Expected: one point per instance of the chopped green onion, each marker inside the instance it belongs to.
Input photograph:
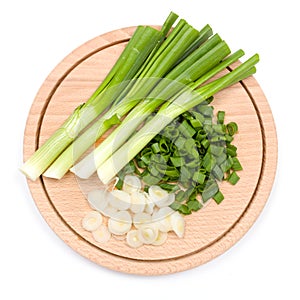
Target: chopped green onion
(186, 129)
(172, 172)
(163, 146)
(233, 178)
(227, 164)
(172, 188)
(221, 117)
(184, 209)
(217, 173)
(177, 161)
(180, 196)
(236, 166)
(196, 123)
(209, 191)
(232, 128)
(149, 179)
(231, 150)
(218, 197)
(193, 205)
(205, 143)
(155, 148)
(199, 177)
(216, 150)
(175, 205)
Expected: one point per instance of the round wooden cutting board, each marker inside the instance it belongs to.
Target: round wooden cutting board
(210, 231)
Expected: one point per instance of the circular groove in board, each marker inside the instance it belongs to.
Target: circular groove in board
(211, 231)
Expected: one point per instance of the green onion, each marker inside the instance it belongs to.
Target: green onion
(165, 115)
(231, 150)
(177, 161)
(75, 150)
(149, 179)
(186, 129)
(193, 205)
(155, 148)
(172, 188)
(233, 178)
(184, 209)
(180, 196)
(178, 45)
(232, 128)
(204, 34)
(199, 177)
(147, 97)
(217, 173)
(143, 40)
(220, 117)
(236, 166)
(227, 164)
(218, 197)
(209, 191)
(175, 205)
(87, 166)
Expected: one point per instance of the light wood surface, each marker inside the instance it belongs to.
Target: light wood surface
(209, 232)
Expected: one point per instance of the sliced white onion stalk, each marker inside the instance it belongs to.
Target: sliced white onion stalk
(178, 224)
(158, 195)
(101, 234)
(149, 204)
(131, 184)
(133, 239)
(142, 218)
(109, 211)
(92, 220)
(147, 233)
(162, 219)
(119, 199)
(161, 238)
(138, 202)
(168, 201)
(120, 223)
(97, 199)
(111, 185)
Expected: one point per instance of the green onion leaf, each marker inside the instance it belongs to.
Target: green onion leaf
(163, 146)
(218, 197)
(175, 205)
(155, 148)
(209, 191)
(231, 150)
(193, 205)
(184, 209)
(236, 166)
(199, 177)
(187, 130)
(177, 161)
(232, 128)
(221, 117)
(180, 196)
(172, 188)
(233, 178)
(217, 173)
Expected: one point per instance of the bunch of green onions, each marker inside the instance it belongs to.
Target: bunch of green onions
(158, 71)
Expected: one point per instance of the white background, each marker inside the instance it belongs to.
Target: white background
(35, 263)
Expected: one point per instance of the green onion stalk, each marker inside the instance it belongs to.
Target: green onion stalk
(166, 114)
(174, 47)
(140, 46)
(208, 62)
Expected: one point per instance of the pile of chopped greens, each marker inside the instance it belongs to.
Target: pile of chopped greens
(189, 157)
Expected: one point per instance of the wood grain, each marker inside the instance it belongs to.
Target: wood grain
(210, 231)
